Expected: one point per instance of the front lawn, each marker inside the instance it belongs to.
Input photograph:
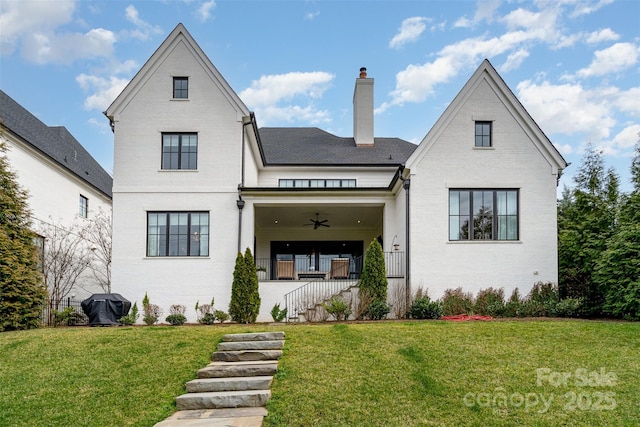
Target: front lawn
(509, 372)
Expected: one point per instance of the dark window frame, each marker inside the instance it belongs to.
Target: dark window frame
(483, 134)
(175, 160)
(181, 87)
(83, 206)
(168, 242)
(317, 183)
(496, 226)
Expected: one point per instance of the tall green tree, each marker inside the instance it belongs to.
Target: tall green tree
(245, 298)
(618, 270)
(587, 217)
(373, 281)
(22, 292)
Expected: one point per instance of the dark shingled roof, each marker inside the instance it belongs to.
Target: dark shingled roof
(54, 142)
(316, 147)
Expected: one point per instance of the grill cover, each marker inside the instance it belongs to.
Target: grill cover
(105, 309)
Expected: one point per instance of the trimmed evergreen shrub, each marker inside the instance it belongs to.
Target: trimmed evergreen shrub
(132, 317)
(490, 302)
(378, 310)
(277, 314)
(423, 308)
(245, 298)
(373, 280)
(455, 301)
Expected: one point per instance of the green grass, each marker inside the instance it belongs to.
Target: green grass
(383, 373)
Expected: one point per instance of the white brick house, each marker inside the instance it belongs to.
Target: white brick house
(66, 185)
(196, 180)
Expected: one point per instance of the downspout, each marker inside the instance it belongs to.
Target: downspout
(240, 203)
(406, 184)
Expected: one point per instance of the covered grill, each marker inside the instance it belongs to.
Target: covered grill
(105, 309)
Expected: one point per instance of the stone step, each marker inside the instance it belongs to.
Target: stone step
(223, 399)
(257, 336)
(225, 417)
(203, 385)
(238, 369)
(250, 345)
(246, 355)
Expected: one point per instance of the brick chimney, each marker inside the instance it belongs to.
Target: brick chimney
(363, 110)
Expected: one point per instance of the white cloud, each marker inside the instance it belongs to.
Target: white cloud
(21, 19)
(409, 31)
(268, 94)
(585, 7)
(105, 90)
(143, 30)
(514, 60)
(568, 108)
(603, 35)
(66, 48)
(485, 10)
(628, 101)
(613, 59)
(310, 16)
(621, 144)
(563, 148)
(204, 11)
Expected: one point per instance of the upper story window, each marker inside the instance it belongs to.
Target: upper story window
(317, 183)
(179, 151)
(83, 207)
(181, 87)
(483, 215)
(483, 134)
(177, 234)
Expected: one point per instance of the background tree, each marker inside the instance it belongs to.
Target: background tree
(618, 270)
(21, 290)
(586, 221)
(245, 299)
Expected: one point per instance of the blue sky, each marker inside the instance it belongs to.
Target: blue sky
(574, 64)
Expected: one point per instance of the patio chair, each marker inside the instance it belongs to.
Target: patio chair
(284, 269)
(339, 268)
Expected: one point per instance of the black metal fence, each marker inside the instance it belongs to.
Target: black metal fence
(63, 312)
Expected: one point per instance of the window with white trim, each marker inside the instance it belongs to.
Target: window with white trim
(483, 214)
(177, 234)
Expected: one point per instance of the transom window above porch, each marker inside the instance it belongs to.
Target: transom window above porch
(317, 183)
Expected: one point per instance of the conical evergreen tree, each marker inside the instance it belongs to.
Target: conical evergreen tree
(373, 281)
(22, 292)
(252, 287)
(245, 299)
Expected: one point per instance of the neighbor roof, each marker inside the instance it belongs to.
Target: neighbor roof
(54, 142)
(316, 147)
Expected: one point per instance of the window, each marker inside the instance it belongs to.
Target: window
(181, 87)
(483, 134)
(483, 214)
(179, 151)
(177, 234)
(83, 209)
(317, 183)
(38, 242)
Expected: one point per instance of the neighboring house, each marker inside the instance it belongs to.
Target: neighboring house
(66, 185)
(196, 181)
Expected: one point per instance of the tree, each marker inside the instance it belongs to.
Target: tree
(618, 270)
(21, 290)
(67, 256)
(373, 281)
(586, 221)
(245, 298)
(99, 232)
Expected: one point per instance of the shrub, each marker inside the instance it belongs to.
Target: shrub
(277, 314)
(423, 308)
(176, 315)
(513, 307)
(374, 277)
(220, 316)
(69, 316)
(205, 313)
(378, 310)
(132, 317)
(338, 308)
(455, 302)
(490, 302)
(245, 298)
(151, 311)
(541, 301)
(568, 307)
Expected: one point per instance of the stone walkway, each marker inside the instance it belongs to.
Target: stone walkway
(234, 388)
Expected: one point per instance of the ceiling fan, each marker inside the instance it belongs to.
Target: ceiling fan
(317, 223)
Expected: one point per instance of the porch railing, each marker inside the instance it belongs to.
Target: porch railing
(308, 296)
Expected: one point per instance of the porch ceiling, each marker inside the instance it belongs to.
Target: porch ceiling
(338, 216)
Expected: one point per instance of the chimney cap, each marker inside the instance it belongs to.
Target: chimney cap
(363, 72)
